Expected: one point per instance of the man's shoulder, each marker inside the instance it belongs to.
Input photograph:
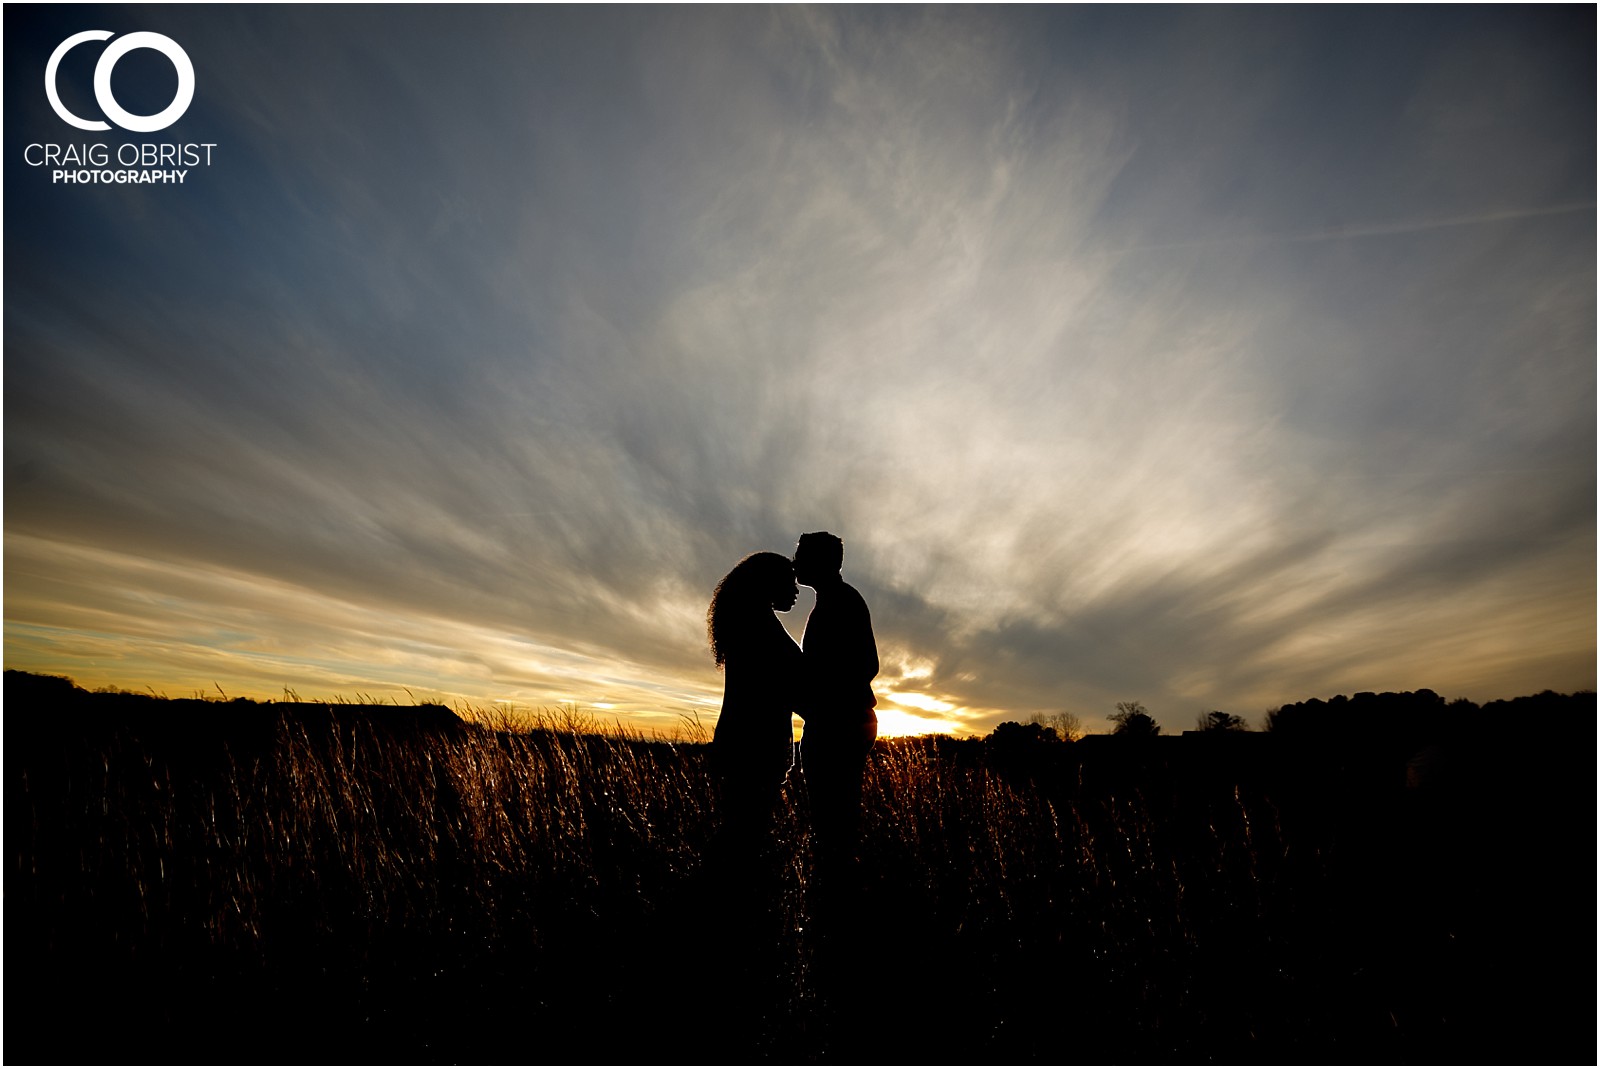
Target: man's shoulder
(840, 598)
(850, 596)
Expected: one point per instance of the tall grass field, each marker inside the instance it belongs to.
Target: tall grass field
(304, 882)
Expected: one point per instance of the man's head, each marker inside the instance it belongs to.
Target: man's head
(817, 558)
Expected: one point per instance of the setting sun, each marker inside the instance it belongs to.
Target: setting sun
(894, 722)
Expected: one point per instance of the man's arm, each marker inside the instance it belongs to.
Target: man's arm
(864, 645)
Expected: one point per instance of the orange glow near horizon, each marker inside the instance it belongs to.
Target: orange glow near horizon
(895, 721)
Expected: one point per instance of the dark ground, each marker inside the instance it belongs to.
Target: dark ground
(178, 890)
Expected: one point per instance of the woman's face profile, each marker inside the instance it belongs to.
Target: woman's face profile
(785, 592)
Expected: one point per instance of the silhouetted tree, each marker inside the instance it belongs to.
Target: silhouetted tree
(1397, 721)
(1302, 718)
(1022, 751)
(1220, 721)
(1011, 734)
(1133, 719)
(1067, 726)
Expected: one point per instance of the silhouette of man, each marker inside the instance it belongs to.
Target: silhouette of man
(839, 658)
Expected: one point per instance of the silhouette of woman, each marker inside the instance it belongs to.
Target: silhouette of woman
(751, 754)
(753, 747)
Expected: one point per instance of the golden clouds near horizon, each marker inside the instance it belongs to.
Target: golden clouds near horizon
(914, 713)
(914, 700)
(895, 722)
(133, 622)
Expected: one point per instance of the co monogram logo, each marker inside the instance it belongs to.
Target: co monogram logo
(102, 80)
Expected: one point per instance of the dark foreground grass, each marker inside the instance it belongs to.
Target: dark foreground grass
(226, 882)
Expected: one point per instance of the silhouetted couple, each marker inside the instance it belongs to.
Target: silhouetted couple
(827, 680)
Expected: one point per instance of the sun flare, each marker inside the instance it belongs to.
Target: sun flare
(893, 721)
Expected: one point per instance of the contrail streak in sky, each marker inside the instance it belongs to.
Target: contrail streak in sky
(1370, 230)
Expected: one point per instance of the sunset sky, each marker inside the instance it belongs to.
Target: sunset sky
(1210, 358)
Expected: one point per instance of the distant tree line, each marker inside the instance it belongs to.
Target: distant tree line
(1405, 717)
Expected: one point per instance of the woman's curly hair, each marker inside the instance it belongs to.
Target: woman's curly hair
(746, 590)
